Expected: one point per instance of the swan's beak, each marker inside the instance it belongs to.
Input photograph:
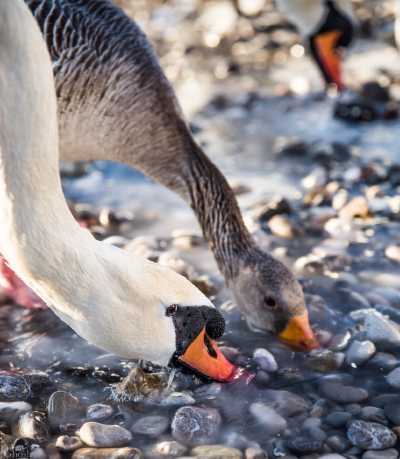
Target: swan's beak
(329, 56)
(298, 333)
(204, 356)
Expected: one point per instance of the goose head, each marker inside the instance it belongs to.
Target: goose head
(272, 300)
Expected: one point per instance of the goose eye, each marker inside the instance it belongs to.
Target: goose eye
(171, 310)
(270, 302)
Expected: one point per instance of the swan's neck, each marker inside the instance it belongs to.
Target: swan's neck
(38, 234)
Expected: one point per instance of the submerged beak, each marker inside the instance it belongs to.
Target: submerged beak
(330, 57)
(298, 333)
(204, 356)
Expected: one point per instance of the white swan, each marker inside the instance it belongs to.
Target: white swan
(131, 307)
(328, 26)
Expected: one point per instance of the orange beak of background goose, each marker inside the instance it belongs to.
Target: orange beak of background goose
(204, 357)
(298, 333)
(329, 56)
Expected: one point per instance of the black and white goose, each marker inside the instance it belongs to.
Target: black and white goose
(115, 103)
(123, 304)
(328, 26)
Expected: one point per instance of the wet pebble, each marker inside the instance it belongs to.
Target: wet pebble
(384, 361)
(360, 352)
(341, 341)
(251, 7)
(373, 414)
(285, 403)
(392, 411)
(68, 443)
(11, 411)
(282, 226)
(193, 425)
(178, 399)
(14, 388)
(107, 453)
(104, 436)
(338, 443)
(32, 425)
(265, 360)
(303, 444)
(331, 456)
(393, 252)
(271, 421)
(340, 393)
(325, 360)
(393, 378)
(370, 435)
(170, 448)
(378, 328)
(255, 453)
(216, 452)
(386, 454)
(356, 207)
(62, 408)
(153, 426)
(99, 411)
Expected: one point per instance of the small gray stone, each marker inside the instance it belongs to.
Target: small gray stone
(11, 411)
(63, 408)
(170, 449)
(378, 328)
(99, 411)
(178, 399)
(370, 435)
(392, 411)
(373, 414)
(14, 388)
(255, 453)
(338, 418)
(104, 436)
(360, 352)
(342, 394)
(385, 454)
(384, 361)
(193, 425)
(393, 378)
(285, 403)
(331, 456)
(338, 443)
(153, 426)
(68, 444)
(107, 453)
(303, 444)
(216, 452)
(265, 360)
(271, 421)
(340, 342)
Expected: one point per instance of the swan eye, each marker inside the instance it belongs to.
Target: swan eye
(270, 302)
(171, 310)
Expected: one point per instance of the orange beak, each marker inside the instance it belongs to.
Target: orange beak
(298, 333)
(330, 57)
(197, 357)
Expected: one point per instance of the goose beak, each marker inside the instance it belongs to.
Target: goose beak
(298, 333)
(329, 56)
(204, 357)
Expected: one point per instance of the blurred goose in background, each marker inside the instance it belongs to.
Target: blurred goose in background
(128, 306)
(115, 103)
(328, 26)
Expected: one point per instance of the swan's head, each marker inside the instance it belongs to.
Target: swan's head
(271, 299)
(196, 330)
